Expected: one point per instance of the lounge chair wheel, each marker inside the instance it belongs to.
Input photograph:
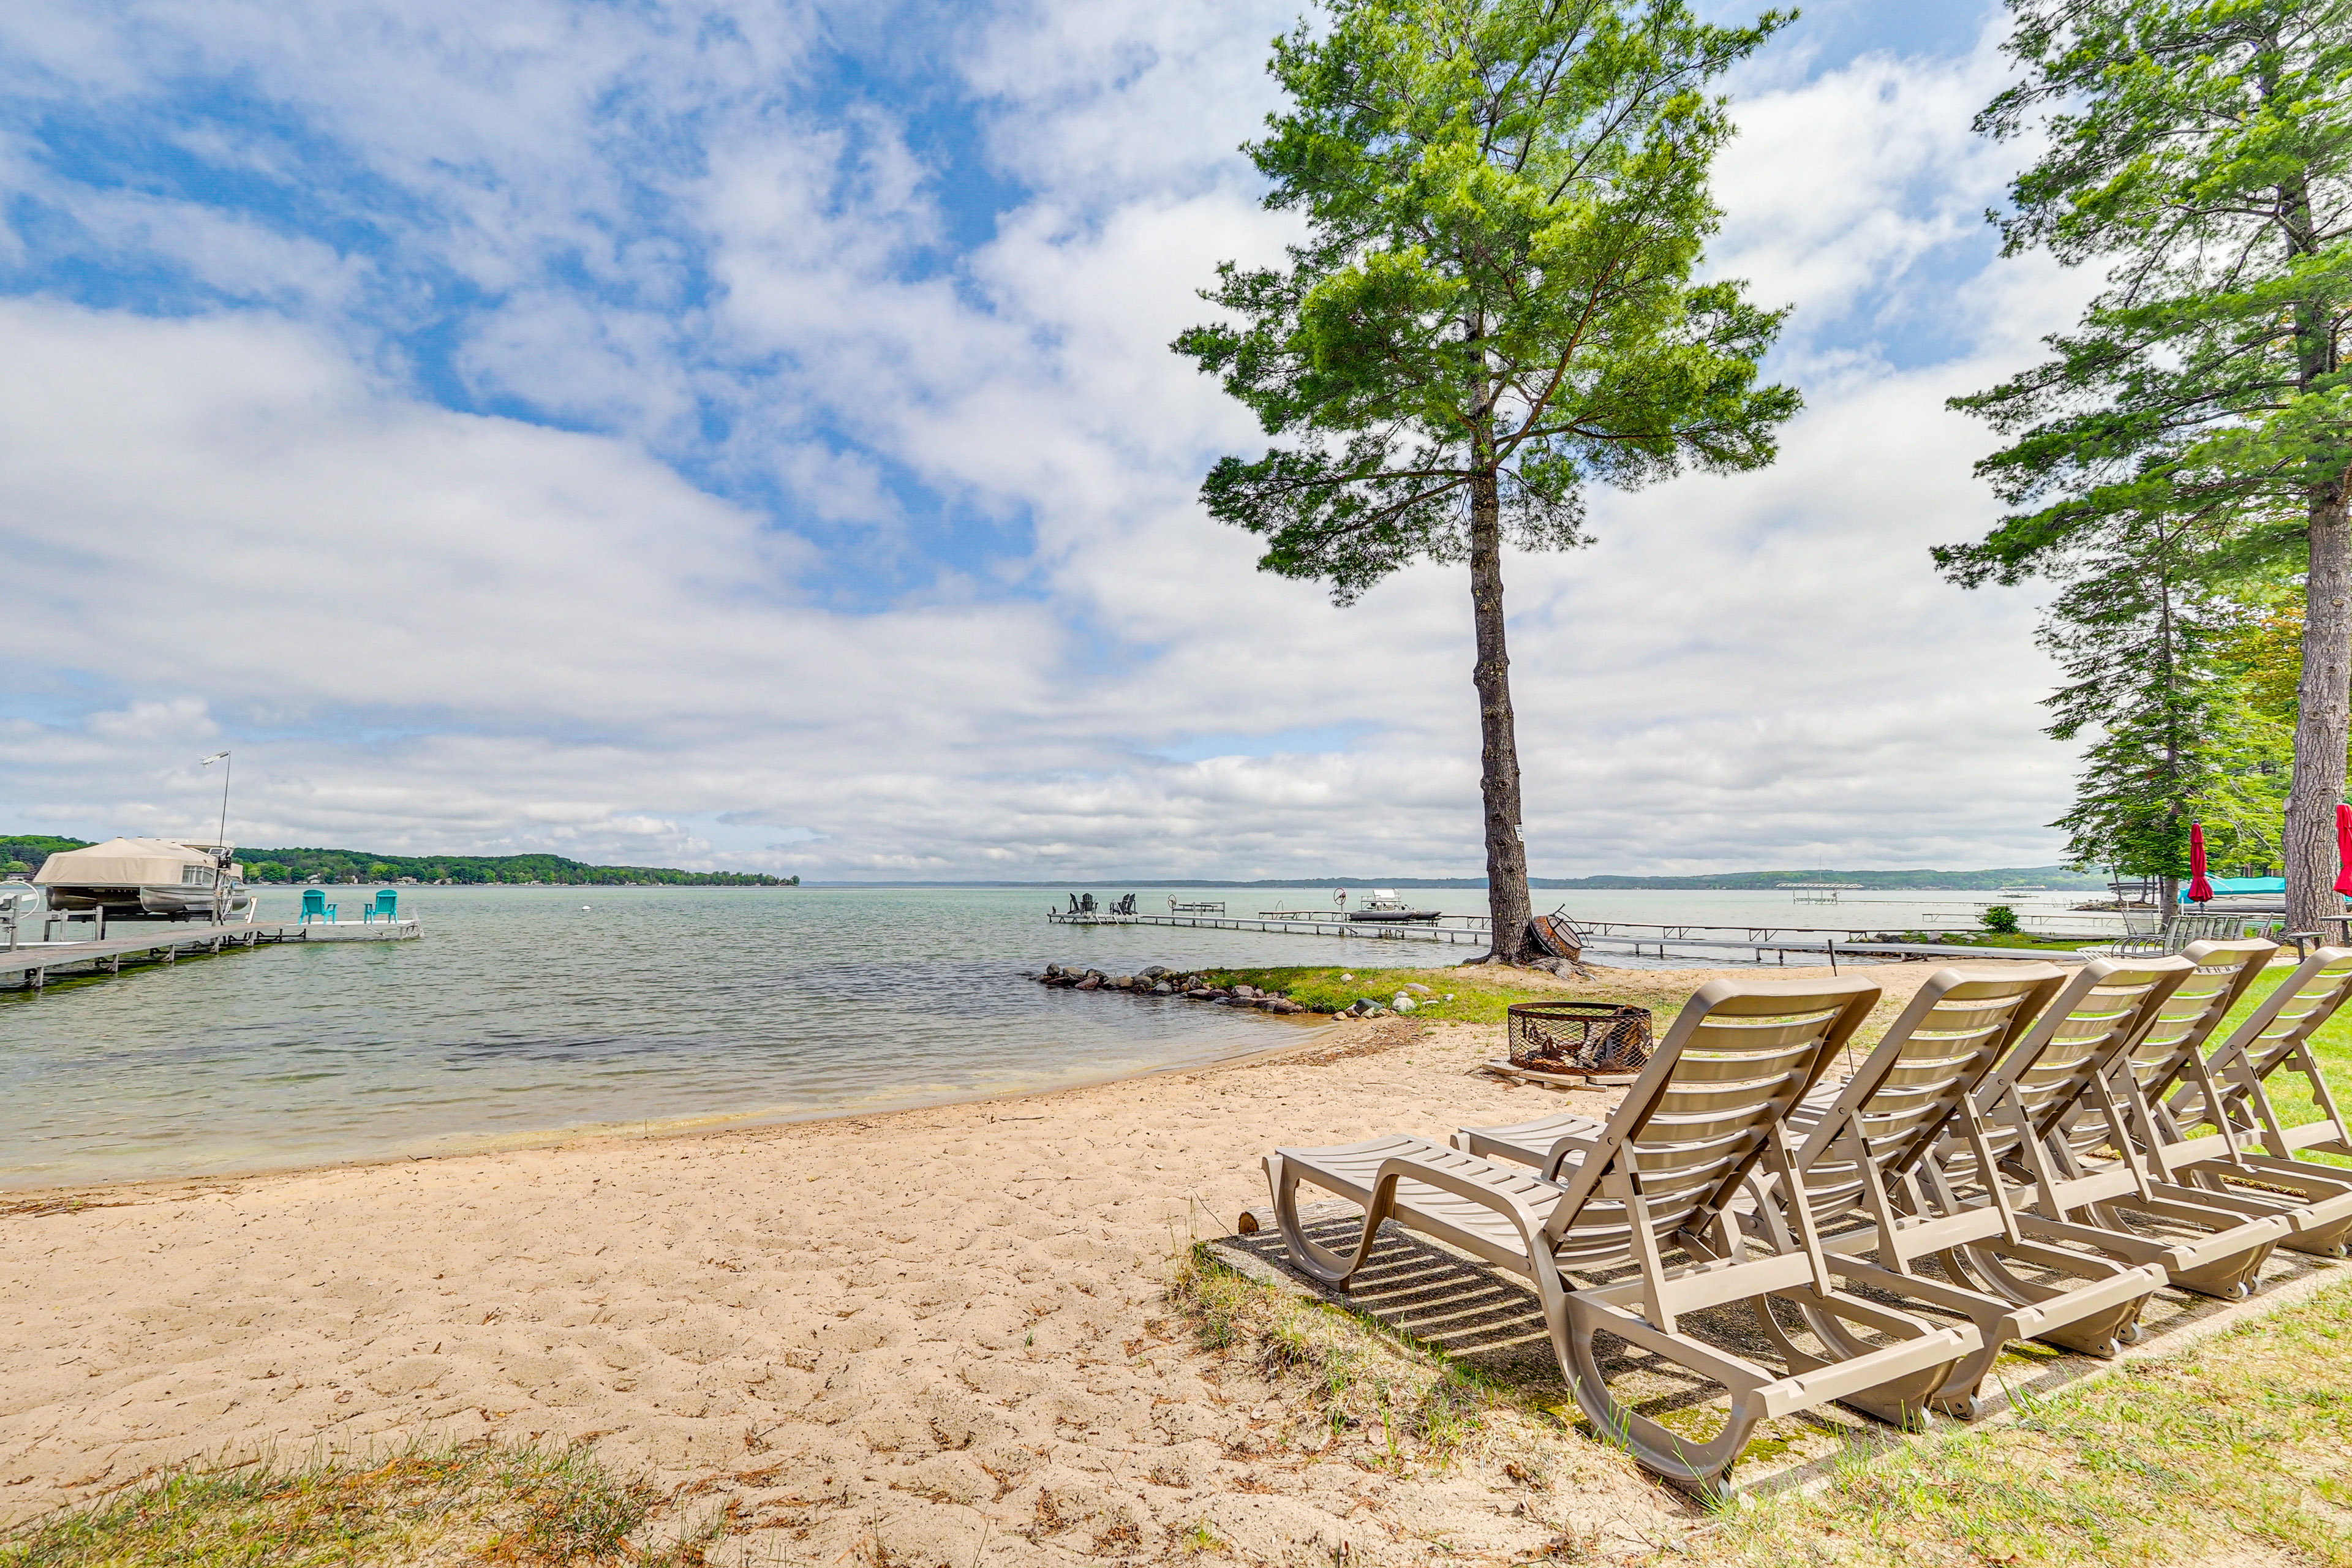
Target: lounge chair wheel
(1964, 1409)
(2129, 1334)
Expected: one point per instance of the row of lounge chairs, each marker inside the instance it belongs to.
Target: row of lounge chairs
(2054, 1148)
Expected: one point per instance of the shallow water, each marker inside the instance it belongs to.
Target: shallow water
(524, 1013)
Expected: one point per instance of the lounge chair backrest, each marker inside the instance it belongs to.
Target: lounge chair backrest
(1739, 1056)
(2178, 1032)
(2289, 1015)
(2094, 1018)
(2275, 1030)
(1958, 1025)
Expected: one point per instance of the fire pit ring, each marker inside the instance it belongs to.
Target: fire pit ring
(1583, 1037)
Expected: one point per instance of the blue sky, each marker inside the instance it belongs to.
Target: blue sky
(681, 429)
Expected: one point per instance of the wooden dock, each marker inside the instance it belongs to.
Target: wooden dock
(30, 967)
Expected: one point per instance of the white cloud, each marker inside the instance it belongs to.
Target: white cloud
(425, 629)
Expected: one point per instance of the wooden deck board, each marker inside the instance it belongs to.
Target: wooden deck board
(36, 963)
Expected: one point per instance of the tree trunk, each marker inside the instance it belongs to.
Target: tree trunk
(1499, 756)
(2320, 727)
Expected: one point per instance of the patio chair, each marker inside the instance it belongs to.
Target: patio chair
(2025, 1162)
(1863, 1143)
(2249, 1162)
(315, 906)
(1659, 1176)
(387, 907)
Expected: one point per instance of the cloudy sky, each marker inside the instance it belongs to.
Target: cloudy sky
(736, 433)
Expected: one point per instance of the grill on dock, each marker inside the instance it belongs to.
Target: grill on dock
(1578, 1036)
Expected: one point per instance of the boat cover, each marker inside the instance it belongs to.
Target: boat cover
(121, 863)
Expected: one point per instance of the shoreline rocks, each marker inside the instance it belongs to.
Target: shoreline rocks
(1158, 980)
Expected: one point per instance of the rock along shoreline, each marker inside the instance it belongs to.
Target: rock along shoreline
(1160, 981)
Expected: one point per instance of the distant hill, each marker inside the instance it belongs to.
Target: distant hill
(25, 853)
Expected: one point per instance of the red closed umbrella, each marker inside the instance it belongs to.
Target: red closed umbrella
(2344, 849)
(2199, 889)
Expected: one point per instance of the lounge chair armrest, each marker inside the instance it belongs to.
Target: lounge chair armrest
(1399, 1167)
(1563, 1146)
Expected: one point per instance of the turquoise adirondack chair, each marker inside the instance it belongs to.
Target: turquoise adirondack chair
(387, 907)
(315, 906)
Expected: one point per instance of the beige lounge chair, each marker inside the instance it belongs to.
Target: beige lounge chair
(1862, 1142)
(1656, 1177)
(2025, 1163)
(2249, 1164)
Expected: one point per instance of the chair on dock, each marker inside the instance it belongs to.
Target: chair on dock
(1658, 1177)
(387, 907)
(316, 907)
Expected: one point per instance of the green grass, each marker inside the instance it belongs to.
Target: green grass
(2006, 939)
(2241, 1449)
(1481, 995)
(1389, 1398)
(482, 1503)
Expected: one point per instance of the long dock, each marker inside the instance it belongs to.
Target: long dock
(1709, 943)
(30, 967)
(1468, 927)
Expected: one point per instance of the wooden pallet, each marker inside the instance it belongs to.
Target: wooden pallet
(1511, 1071)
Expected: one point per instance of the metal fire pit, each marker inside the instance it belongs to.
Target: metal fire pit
(1587, 1037)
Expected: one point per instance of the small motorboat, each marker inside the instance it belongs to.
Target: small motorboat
(1384, 906)
(156, 876)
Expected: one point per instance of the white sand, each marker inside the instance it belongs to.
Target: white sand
(941, 1332)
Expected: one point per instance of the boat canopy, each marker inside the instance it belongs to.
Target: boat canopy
(122, 863)
(2225, 886)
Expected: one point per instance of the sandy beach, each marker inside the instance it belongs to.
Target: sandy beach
(936, 1336)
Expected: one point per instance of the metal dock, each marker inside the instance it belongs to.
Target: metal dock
(1462, 928)
(1638, 938)
(31, 966)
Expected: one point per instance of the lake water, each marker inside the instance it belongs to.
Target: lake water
(525, 1013)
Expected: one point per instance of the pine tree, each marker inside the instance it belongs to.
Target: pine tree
(1496, 305)
(2202, 150)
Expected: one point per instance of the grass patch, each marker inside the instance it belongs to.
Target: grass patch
(483, 1503)
(2007, 938)
(1482, 994)
(2240, 1450)
(1361, 1380)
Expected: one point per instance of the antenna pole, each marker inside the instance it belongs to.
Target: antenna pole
(220, 844)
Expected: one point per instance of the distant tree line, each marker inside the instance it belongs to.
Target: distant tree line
(24, 855)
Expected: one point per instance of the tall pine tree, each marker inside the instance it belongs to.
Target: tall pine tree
(1496, 304)
(2201, 150)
